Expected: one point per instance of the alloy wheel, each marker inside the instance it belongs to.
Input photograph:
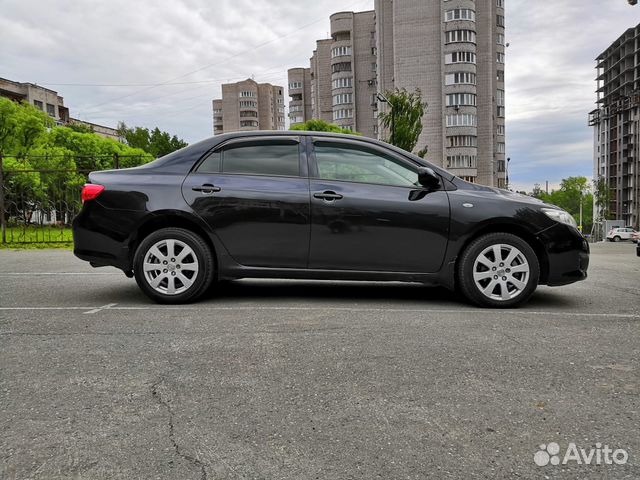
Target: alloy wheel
(501, 272)
(170, 267)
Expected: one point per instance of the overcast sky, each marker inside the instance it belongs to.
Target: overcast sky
(159, 63)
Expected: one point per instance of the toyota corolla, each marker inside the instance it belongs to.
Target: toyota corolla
(313, 205)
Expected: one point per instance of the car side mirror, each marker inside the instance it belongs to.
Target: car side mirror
(428, 178)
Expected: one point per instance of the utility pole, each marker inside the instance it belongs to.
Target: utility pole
(384, 99)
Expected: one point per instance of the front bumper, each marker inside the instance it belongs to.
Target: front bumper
(567, 253)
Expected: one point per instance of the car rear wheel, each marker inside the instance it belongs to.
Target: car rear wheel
(173, 265)
(616, 238)
(498, 270)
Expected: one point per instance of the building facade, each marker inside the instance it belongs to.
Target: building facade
(249, 105)
(320, 72)
(616, 125)
(300, 95)
(46, 100)
(453, 51)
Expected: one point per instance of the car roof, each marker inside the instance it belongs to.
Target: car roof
(182, 160)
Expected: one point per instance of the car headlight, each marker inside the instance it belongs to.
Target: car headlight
(560, 216)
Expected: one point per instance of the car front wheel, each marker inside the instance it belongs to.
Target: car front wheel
(498, 270)
(616, 239)
(173, 265)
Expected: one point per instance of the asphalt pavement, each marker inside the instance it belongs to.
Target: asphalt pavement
(274, 379)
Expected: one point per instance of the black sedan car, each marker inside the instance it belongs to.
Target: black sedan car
(320, 206)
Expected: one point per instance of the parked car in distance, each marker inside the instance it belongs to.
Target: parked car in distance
(636, 238)
(618, 234)
(320, 206)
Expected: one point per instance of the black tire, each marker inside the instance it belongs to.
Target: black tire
(472, 288)
(201, 279)
(616, 238)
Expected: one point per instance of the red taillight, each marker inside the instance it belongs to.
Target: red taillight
(91, 192)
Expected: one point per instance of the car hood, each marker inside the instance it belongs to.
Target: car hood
(483, 191)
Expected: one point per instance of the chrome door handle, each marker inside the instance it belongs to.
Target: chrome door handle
(328, 196)
(207, 189)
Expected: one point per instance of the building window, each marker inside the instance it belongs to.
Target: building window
(38, 104)
(461, 120)
(341, 67)
(295, 108)
(461, 161)
(340, 51)
(248, 123)
(374, 67)
(247, 94)
(374, 51)
(462, 141)
(460, 57)
(346, 82)
(500, 130)
(460, 14)
(500, 97)
(500, 39)
(500, 76)
(500, 3)
(500, 112)
(295, 85)
(460, 78)
(500, 57)
(342, 98)
(469, 179)
(457, 36)
(461, 99)
(343, 113)
(248, 114)
(218, 111)
(248, 104)
(500, 147)
(500, 20)
(51, 110)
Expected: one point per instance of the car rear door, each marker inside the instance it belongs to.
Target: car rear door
(369, 213)
(254, 193)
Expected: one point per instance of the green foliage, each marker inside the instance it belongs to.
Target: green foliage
(404, 118)
(573, 192)
(602, 195)
(155, 142)
(322, 126)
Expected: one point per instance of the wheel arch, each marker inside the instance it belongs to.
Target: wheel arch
(168, 219)
(517, 230)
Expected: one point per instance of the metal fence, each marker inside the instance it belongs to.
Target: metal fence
(37, 205)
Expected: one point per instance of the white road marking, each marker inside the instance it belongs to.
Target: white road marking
(113, 306)
(99, 309)
(13, 274)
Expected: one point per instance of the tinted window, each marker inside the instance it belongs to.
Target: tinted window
(211, 164)
(357, 164)
(268, 158)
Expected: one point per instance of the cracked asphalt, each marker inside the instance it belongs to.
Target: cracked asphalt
(311, 380)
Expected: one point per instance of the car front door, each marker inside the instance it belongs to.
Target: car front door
(369, 213)
(254, 193)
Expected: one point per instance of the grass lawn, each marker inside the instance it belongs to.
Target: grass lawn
(38, 237)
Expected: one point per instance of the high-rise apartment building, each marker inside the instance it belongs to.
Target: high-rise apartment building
(249, 105)
(300, 95)
(320, 72)
(616, 125)
(354, 72)
(453, 52)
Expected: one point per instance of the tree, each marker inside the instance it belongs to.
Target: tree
(322, 126)
(404, 119)
(602, 195)
(574, 194)
(156, 142)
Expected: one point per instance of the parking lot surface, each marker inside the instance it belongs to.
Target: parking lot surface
(312, 380)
